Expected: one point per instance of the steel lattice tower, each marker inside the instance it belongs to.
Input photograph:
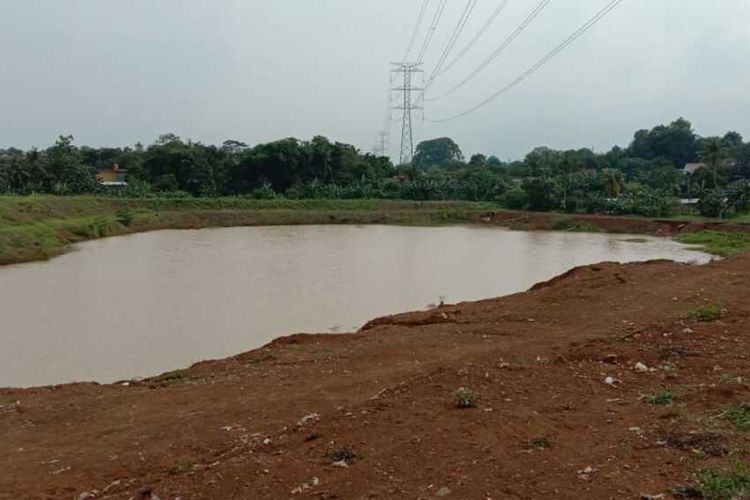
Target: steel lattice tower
(408, 70)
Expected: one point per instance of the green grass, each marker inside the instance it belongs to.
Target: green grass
(717, 242)
(664, 398)
(739, 415)
(716, 484)
(711, 312)
(41, 227)
(466, 398)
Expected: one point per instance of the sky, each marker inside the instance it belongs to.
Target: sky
(113, 73)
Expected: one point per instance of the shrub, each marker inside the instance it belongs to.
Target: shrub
(710, 312)
(739, 415)
(515, 199)
(466, 398)
(724, 485)
(664, 398)
(125, 217)
(714, 204)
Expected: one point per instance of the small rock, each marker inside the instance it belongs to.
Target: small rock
(688, 331)
(611, 381)
(443, 492)
(645, 496)
(266, 441)
(341, 463)
(641, 368)
(308, 419)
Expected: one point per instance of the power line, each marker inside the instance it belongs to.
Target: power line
(417, 27)
(431, 30)
(506, 43)
(490, 21)
(451, 43)
(544, 60)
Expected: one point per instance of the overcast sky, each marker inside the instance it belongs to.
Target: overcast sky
(117, 72)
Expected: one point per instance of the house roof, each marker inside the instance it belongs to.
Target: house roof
(693, 167)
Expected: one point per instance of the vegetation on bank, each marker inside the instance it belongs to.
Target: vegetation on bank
(646, 178)
(40, 227)
(720, 243)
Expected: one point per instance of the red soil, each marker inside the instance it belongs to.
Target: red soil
(234, 428)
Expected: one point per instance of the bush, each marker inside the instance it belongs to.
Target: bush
(641, 201)
(724, 485)
(125, 217)
(515, 199)
(714, 204)
(264, 192)
(466, 398)
(705, 313)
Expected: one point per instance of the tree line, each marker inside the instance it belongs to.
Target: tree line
(644, 178)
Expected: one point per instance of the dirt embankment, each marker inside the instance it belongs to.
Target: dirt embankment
(607, 223)
(372, 414)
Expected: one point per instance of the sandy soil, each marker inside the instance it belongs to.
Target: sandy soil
(372, 414)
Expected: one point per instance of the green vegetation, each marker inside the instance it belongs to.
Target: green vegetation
(466, 398)
(664, 398)
(716, 484)
(172, 378)
(718, 243)
(711, 312)
(182, 466)
(645, 178)
(739, 415)
(40, 227)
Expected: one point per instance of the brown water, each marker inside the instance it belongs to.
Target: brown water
(139, 305)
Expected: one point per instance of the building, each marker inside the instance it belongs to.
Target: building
(693, 167)
(112, 176)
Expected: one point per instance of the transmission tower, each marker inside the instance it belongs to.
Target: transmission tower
(382, 145)
(408, 70)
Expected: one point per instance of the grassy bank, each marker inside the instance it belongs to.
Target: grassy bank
(720, 243)
(40, 227)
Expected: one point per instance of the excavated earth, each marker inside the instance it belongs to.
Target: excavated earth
(373, 414)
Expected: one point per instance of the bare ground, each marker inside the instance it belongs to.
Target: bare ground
(381, 419)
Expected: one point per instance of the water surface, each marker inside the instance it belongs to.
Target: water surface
(139, 305)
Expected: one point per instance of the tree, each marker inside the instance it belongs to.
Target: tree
(676, 142)
(442, 151)
(714, 155)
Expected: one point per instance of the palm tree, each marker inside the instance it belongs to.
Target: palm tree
(714, 155)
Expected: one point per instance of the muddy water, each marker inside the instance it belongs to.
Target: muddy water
(139, 305)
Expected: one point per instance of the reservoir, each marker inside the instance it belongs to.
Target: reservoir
(139, 305)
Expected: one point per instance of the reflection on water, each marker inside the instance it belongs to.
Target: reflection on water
(139, 305)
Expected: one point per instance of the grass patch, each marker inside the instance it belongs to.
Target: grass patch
(714, 484)
(172, 378)
(466, 398)
(182, 466)
(739, 415)
(711, 312)
(664, 398)
(717, 242)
